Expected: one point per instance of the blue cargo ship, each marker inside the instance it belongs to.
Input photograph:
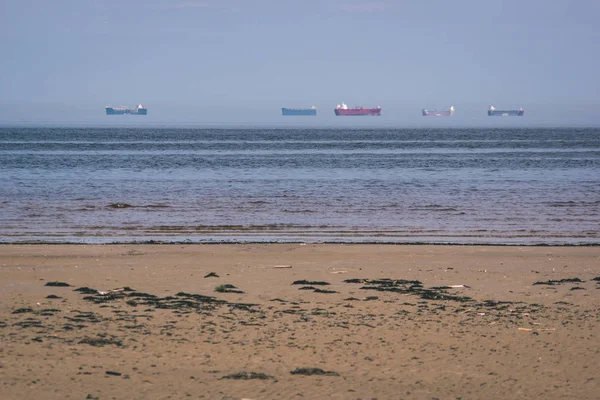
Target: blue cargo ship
(492, 112)
(140, 110)
(299, 111)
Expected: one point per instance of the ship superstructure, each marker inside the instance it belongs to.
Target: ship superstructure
(342, 109)
(140, 110)
(434, 113)
(492, 112)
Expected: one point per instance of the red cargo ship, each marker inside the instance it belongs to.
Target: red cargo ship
(342, 109)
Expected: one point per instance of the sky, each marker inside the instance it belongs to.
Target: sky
(240, 61)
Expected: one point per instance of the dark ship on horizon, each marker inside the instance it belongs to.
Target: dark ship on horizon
(434, 113)
(312, 111)
(492, 112)
(343, 109)
(140, 110)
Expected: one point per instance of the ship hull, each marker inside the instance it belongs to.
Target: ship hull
(437, 114)
(127, 111)
(305, 112)
(505, 113)
(358, 111)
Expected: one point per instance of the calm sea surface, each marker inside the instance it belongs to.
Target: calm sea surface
(524, 186)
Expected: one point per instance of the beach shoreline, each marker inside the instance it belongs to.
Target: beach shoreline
(362, 321)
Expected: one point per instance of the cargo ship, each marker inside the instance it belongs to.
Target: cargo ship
(492, 112)
(140, 110)
(299, 111)
(342, 109)
(435, 113)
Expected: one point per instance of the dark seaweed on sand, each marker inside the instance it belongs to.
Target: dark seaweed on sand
(23, 310)
(142, 295)
(100, 342)
(317, 290)
(313, 371)
(384, 282)
(408, 287)
(57, 284)
(227, 288)
(86, 290)
(305, 282)
(247, 375)
(437, 295)
(496, 303)
(29, 323)
(559, 281)
(182, 301)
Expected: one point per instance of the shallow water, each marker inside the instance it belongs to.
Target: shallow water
(523, 186)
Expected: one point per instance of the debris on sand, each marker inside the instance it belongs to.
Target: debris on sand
(313, 371)
(123, 289)
(113, 373)
(119, 205)
(450, 287)
(211, 275)
(536, 329)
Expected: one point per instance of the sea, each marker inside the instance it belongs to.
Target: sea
(505, 186)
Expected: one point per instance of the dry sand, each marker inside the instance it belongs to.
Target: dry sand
(498, 337)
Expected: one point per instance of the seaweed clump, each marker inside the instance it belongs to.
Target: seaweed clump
(559, 281)
(305, 282)
(227, 288)
(412, 287)
(57, 284)
(313, 371)
(247, 376)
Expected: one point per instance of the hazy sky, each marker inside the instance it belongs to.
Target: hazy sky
(238, 61)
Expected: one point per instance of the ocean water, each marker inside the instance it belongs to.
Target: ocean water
(496, 186)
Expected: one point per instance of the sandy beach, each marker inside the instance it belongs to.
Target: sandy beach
(294, 321)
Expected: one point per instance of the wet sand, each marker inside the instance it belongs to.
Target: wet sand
(292, 321)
